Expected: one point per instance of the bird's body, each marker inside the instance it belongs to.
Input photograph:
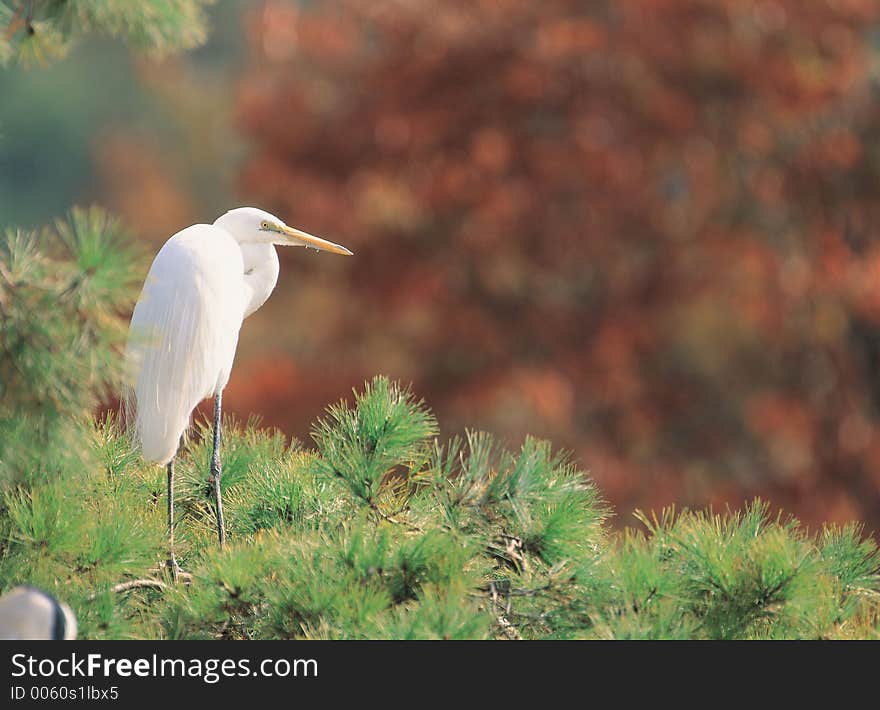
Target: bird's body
(203, 283)
(185, 326)
(184, 333)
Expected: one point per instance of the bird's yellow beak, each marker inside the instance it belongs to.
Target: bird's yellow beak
(294, 237)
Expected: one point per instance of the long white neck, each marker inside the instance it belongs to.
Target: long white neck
(260, 274)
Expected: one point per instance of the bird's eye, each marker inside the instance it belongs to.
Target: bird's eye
(264, 225)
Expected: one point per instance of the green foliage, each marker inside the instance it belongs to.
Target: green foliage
(378, 532)
(387, 428)
(63, 296)
(743, 575)
(61, 293)
(466, 541)
(35, 31)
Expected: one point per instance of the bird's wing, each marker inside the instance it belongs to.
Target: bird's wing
(183, 334)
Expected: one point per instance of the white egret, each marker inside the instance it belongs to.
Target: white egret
(28, 613)
(203, 283)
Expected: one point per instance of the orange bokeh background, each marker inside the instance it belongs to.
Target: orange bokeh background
(643, 230)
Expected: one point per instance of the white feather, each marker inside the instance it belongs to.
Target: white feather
(203, 282)
(183, 334)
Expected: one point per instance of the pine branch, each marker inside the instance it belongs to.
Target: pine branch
(395, 521)
(133, 584)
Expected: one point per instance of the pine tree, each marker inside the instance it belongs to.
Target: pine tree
(380, 532)
(62, 295)
(40, 30)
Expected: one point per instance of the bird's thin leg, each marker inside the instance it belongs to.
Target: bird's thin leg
(215, 470)
(172, 561)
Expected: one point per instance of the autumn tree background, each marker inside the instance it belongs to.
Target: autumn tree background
(619, 224)
(645, 230)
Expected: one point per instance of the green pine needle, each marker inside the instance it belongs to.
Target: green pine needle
(379, 531)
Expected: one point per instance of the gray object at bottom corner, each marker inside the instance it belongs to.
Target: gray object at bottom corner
(30, 614)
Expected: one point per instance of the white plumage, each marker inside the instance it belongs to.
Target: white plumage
(203, 283)
(184, 331)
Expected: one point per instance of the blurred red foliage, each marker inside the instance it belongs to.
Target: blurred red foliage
(620, 225)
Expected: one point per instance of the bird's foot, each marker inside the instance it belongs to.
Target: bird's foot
(177, 574)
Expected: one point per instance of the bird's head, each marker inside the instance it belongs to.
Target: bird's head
(249, 225)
